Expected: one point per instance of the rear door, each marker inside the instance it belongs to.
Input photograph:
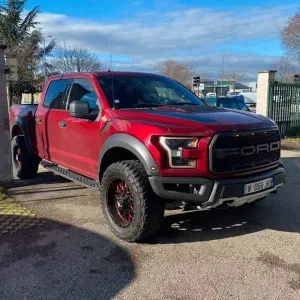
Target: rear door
(50, 128)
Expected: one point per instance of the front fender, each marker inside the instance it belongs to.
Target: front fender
(132, 144)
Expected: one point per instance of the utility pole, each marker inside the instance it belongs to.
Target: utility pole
(6, 173)
(222, 75)
(222, 79)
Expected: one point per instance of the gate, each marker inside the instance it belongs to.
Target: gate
(284, 107)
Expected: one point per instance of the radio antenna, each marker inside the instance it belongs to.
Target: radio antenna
(111, 70)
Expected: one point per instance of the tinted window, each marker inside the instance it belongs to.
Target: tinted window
(243, 106)
(56, 96)
(223, 103)
(82, 90)
(132, 91)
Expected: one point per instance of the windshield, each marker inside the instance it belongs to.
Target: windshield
(134, 91)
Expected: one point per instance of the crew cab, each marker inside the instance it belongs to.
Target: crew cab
(145, 140)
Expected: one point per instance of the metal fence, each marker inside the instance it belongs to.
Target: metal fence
(284, 107)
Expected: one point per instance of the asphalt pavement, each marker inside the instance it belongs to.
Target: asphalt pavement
(245, 253)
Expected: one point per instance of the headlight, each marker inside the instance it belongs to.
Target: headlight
(175, 146)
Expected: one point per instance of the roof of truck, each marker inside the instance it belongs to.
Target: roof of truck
(104, 73)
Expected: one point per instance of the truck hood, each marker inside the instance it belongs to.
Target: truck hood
(212, 118)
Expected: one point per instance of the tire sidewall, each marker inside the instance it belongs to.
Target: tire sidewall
(139, 208)
(29, 166)
(17, 141)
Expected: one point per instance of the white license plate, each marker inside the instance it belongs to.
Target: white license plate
(258, 186)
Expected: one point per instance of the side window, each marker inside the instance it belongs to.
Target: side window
(56, 96)
(82, 89)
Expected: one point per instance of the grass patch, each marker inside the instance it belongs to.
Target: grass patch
(2, 193)
(293, 140)
(9, 207)
(13, 208)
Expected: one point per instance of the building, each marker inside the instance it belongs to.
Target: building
(253, 86)
(213, 86)
(238, 88)
(222, 88)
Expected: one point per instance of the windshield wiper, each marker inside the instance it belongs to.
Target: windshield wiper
(147, 105)
(182, 103)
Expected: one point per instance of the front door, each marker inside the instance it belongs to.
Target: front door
(84, 135)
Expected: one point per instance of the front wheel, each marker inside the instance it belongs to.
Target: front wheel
(25, 164)
(132, 210)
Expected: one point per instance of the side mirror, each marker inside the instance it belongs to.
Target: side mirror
(79, 109)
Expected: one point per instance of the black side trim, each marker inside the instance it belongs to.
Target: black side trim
(75, 177)
(132, 144)
(158, 185)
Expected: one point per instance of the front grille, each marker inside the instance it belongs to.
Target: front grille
(228, 153)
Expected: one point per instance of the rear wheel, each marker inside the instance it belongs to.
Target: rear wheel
(25, 164)
(132, 210)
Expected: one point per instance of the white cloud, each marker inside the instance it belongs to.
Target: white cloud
(210, 63)
(167, 34)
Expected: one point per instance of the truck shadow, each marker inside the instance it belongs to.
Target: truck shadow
(43, 177)
(280, 212)
(52, 260)
(46, 183)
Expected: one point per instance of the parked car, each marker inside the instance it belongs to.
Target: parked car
(232, 103)
(144, 140)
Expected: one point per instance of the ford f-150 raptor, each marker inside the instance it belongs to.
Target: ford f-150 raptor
(145, 140)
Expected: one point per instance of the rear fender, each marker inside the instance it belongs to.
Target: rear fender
(19, 122)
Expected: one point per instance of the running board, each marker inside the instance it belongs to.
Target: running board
(88, 182)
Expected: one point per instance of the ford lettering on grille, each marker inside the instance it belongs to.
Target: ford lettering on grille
(248, 150)
(242, 151)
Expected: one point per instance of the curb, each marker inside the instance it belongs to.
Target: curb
(290, 146)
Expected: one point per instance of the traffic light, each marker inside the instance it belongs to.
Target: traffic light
(196, 81)
(297, 78)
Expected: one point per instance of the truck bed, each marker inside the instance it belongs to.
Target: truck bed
(24, 109)
(23, 115)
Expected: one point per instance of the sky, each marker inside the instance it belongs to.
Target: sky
(140, 33)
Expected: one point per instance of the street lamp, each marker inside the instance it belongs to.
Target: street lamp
(222, 79)
(45, 62)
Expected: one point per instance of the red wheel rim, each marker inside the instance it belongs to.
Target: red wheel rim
(121, 203)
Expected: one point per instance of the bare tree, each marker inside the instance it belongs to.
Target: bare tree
(236, 77)
(204, 75)
(180, 71)
(285, 70)
(75, 59)
(290, 36)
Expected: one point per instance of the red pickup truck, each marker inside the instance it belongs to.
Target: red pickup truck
(145, 140)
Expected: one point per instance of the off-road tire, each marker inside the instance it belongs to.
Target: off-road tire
(149, 208)
(29, 163)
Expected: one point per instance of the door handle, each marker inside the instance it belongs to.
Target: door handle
(62, 124)
(38, 120)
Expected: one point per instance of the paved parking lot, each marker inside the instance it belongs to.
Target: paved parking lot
(246, 253)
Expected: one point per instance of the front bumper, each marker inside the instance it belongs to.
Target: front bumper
(211, 193)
